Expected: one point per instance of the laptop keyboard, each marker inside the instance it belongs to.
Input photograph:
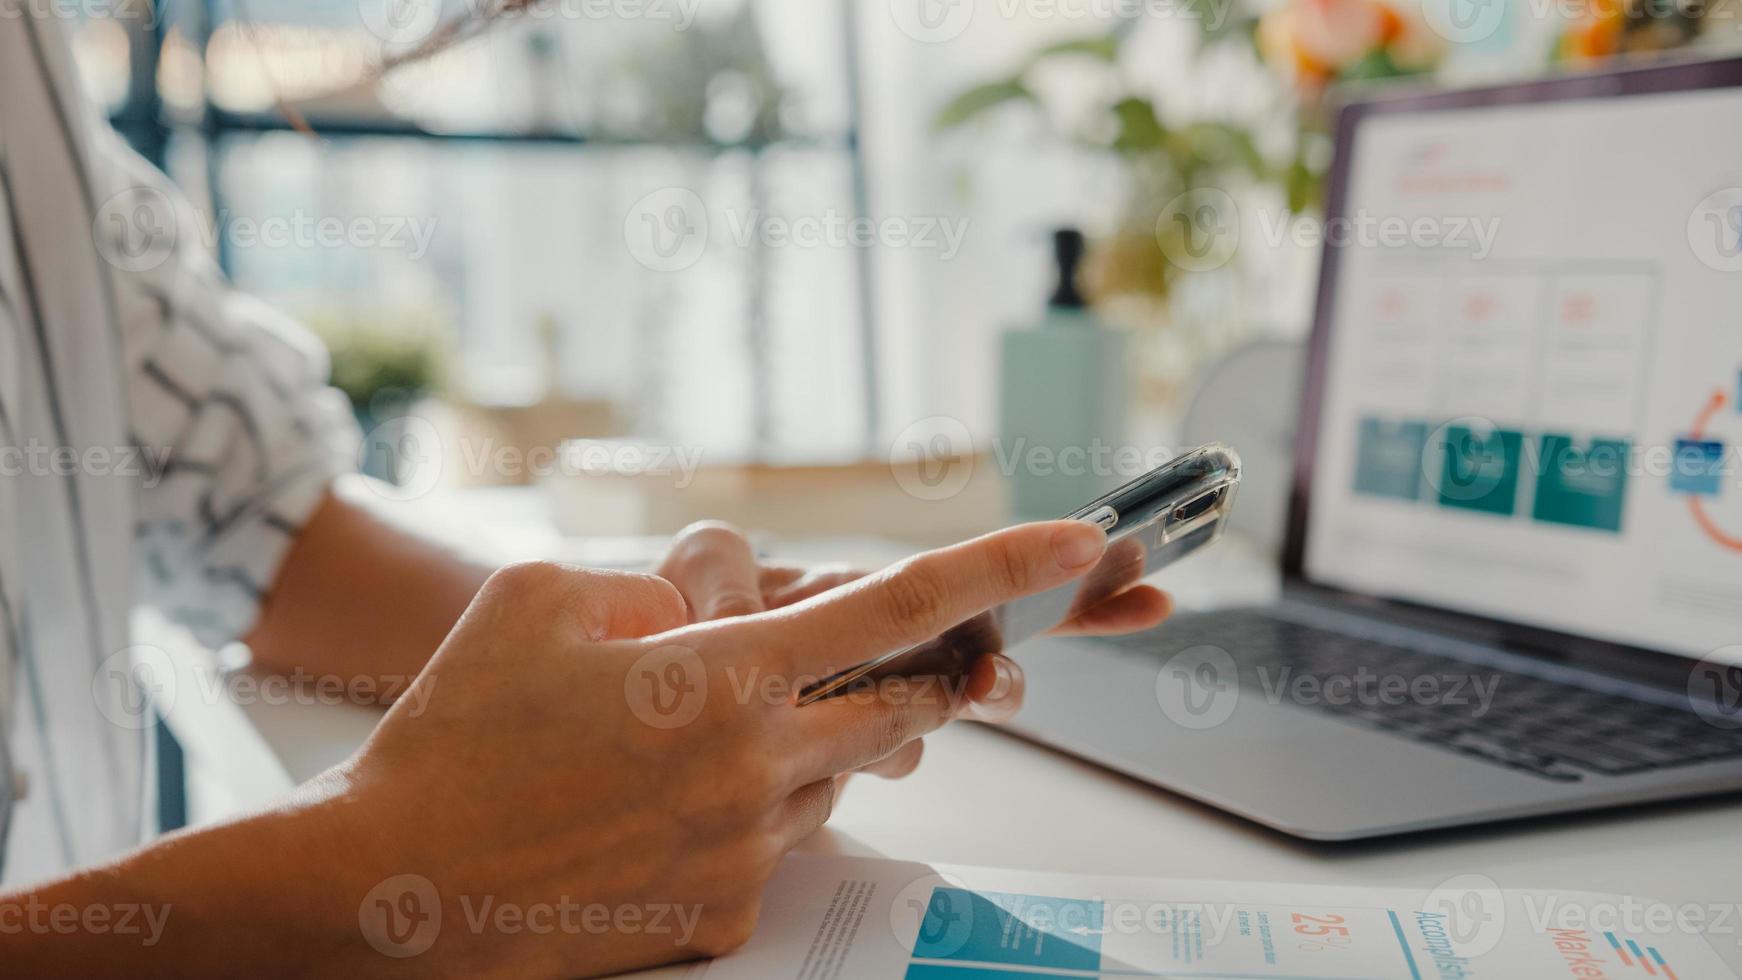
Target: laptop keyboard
(1549, 729)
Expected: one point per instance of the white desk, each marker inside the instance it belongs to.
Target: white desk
(984, 797)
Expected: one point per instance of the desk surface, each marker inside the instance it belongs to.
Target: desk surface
(985, 797)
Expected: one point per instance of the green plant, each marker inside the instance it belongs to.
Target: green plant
(394, 352)
(1163, 159)
(1185, 154)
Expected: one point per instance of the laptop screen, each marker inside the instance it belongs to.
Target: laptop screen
(1531, 400)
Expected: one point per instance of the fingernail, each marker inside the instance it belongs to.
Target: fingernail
(1077, 544)
(1004, 670)
(999, 701)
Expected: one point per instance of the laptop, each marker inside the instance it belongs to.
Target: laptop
(1513, 569)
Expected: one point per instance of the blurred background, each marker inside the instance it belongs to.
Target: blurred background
(667, 259)
(858, 275)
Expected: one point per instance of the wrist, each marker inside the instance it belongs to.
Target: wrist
(272, 894)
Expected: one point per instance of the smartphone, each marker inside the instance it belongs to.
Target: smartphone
(1155, 520)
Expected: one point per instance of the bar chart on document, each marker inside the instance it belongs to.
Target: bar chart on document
(843, 918)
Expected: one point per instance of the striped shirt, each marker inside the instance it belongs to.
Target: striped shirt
(161, 440)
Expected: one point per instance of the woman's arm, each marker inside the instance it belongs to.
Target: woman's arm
(363, 593)
(241, 899)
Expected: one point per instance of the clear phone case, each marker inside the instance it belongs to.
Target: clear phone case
(1151, 522)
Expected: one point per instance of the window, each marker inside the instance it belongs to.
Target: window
(489, 193)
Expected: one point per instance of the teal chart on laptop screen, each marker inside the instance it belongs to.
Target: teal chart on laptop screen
(1533, 402)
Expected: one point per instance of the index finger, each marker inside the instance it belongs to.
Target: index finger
(917, 599)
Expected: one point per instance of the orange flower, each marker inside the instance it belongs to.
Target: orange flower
(1278, 44)
(1598, 36)
(1316, 41)
(1338, 33)
(1414, 47)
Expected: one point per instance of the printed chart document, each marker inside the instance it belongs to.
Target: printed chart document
(828, 917)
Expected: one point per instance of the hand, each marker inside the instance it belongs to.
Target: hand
(716, 571)
(574, 740)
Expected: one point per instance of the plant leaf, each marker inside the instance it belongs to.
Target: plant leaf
(1140, 128)
(1375, 64)
(1219, 144)
(980, 99)
(1105, 48)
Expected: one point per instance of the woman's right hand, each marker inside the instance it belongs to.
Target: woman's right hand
(580, 783)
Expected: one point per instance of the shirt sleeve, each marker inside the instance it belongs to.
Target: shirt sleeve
(228, 403)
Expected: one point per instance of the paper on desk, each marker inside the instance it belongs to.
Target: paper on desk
(827, 917)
